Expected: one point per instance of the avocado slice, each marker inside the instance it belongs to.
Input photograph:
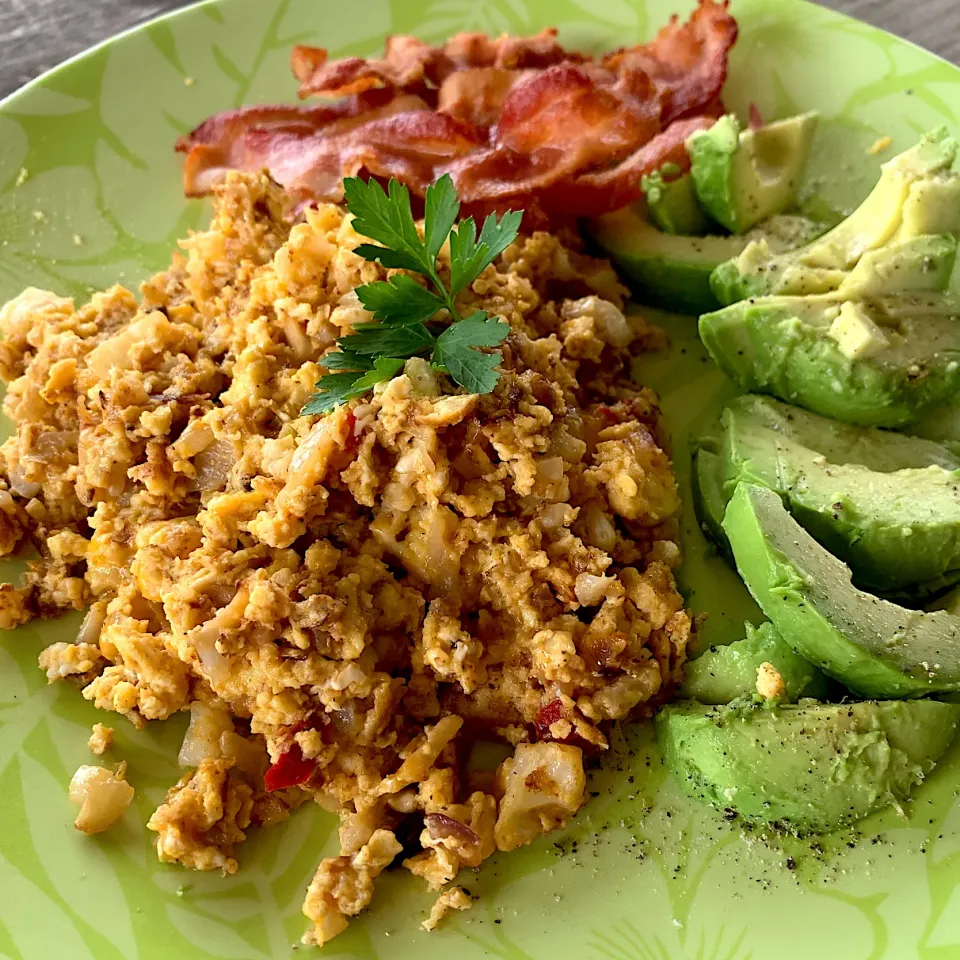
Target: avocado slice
(790, 347)
(874, 647)
(721, 674)
(745, 176)
(920, 264)
(673, 272)
(806, 768)
(885, 504)
(949, 602)
(672, 202)
(709, 498)
(905, 203)
(942, 424)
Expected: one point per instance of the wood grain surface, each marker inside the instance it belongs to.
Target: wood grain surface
(38, 34)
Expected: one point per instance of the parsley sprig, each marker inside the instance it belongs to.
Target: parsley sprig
(405, 312)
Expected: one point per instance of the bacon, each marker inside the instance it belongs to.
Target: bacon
(405, 66)
(412, 65)
(552, 125)
(601, 192)
(476, 94)
(687, 61)
(408, 146)
(565, 111)
(509, 53)
(252, 138)
(516, 121)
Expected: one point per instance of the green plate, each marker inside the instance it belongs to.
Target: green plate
(90, 195)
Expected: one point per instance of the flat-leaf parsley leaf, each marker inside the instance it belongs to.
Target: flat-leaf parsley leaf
(399, 300)
(403, 309)
(337, 388)
(474, 371)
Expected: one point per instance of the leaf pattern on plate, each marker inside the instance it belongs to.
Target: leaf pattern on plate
(41, 101)
(77, 867)
(653, 876)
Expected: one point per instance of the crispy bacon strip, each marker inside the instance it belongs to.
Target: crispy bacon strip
(517, 121)
(409, 146)
(553, 125)
(476, 94)
(687, 61)
(252, 138)
(412, 65)
(602, 191)
(565, 111)
(509, 53)
(406, 65)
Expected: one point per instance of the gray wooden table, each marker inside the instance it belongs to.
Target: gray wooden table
(37, 34)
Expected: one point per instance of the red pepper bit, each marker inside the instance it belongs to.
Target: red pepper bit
(546, 717)
(550, 714)
(605, 413)
(351, 422)
(290, 769)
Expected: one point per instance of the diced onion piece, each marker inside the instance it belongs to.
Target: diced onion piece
(550, 470)
(556, 515)
(196, 437)
(93, 623)
(214, 463)
(214, 662)
(102, 796)
(202, 739)
(20, 484)
(350, 674)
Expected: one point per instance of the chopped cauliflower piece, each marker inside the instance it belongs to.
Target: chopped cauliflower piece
(544, 785)
(103, 797)
(101, 739)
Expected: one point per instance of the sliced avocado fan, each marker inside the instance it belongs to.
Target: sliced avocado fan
(806, 768)
(874, 647)
(917, 196)
(881, 362)
(673, 272)
(722, 674)
(887, 505)
(745, 176)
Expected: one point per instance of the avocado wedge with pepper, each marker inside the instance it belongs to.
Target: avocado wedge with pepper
(806, 768)
(880, 362)
(709, 496)
(672, 271)
(672, 202)
(745, 176)
(886, 504)
(722, 674)
(917, 195)
(874, 647)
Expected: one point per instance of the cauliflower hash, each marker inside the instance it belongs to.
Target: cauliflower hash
(345, 604)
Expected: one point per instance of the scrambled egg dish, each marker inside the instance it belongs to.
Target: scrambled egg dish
(345, 604)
